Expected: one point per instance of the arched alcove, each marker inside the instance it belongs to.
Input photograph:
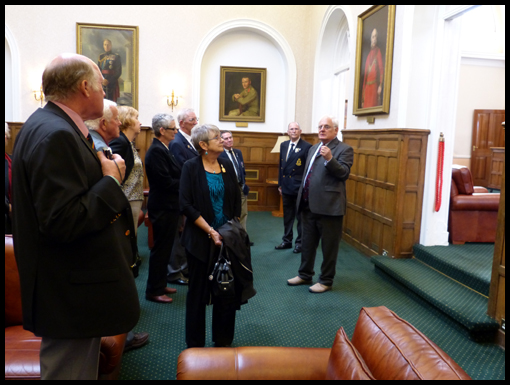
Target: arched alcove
(12, 78)
(245, 43)
(332, 66)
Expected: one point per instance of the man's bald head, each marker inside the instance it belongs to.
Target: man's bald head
(62, 77)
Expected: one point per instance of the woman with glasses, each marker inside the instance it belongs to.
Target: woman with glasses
(163, 174)
(209, 197)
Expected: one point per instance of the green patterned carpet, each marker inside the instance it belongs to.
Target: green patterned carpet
(280, 315)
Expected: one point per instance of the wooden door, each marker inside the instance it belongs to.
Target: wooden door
(487, 133)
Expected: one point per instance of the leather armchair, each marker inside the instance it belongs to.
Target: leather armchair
(473, 213)
(383, 347)
(22, 347)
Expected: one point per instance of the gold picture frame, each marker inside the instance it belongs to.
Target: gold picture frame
(117, 60)
(374, 60)
(242, 100)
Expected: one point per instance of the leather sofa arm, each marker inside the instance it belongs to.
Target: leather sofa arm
(111, 352)
(480, 202)
(253, 363)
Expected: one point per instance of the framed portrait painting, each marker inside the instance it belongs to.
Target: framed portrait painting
(374, 60)
(242, 94)
(114, 48)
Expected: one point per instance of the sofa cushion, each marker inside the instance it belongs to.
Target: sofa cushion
(345, 363)
(393, 349)
(21, 354)
(463, 180)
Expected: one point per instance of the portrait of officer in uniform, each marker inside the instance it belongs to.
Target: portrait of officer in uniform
(247, 100)
(110, 66)
(242, 94)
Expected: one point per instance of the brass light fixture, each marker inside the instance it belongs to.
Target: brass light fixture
(39, 95)
(172, 103)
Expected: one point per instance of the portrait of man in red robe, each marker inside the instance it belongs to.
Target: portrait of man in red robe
(373, 75)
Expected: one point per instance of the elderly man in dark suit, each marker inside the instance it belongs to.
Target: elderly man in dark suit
(322, 203)
(293, 155)
(182, 149)
(72, 226)
(236, 158)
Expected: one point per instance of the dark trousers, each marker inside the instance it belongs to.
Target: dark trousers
(69, 359)
(327, 229)
(164, 226)
(223, 317)
(289, 215)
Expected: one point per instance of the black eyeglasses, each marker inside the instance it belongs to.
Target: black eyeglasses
(168, 128)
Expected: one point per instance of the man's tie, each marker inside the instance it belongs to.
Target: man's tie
(89, 138)
(306, 186)
(290, 151)
(236, 165)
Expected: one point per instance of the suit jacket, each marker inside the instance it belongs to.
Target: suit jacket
(327, 183)
(122, 146)
(291, 170)
(163, 174)
(73, 234)
(195, 202)
(181, 149)
(240, 161)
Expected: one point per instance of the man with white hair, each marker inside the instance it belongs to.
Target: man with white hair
(106, 128)
(322, 202)
(72, 226)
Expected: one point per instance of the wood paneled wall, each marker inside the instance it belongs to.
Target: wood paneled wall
(260, 163)
(385, 190)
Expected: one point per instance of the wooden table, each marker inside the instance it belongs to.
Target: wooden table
(278, 213)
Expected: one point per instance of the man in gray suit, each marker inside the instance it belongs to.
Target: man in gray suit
(322, 202)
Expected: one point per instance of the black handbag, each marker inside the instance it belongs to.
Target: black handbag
(222, 277)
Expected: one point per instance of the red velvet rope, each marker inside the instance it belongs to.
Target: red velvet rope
(439, 176)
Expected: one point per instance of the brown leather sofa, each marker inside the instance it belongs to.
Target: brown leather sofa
(383, 347)
(22, 347)
(473, 213)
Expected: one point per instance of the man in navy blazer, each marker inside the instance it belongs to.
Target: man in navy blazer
(183, 150)
(322, 202)
(293, 155)
(236, 157)
(182, 147)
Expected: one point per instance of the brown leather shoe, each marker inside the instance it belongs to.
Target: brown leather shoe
(159, 298)
(170, 290)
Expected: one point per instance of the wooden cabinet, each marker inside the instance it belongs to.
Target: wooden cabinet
(496, 307)
(497, 161)
(385, 190)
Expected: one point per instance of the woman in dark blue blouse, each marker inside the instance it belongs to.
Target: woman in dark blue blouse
(209, 197)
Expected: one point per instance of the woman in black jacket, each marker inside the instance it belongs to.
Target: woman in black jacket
(209, 197)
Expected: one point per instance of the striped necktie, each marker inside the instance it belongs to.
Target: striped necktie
(89, 138)
(236, 165)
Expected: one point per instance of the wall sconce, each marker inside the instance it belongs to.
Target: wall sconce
(172, 103)
(39, 95)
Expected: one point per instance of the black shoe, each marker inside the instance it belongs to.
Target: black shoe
(283, 246)
(138, 341)
(179, 281)
(297, 249)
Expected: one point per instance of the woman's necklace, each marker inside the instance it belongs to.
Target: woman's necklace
(211, 168)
